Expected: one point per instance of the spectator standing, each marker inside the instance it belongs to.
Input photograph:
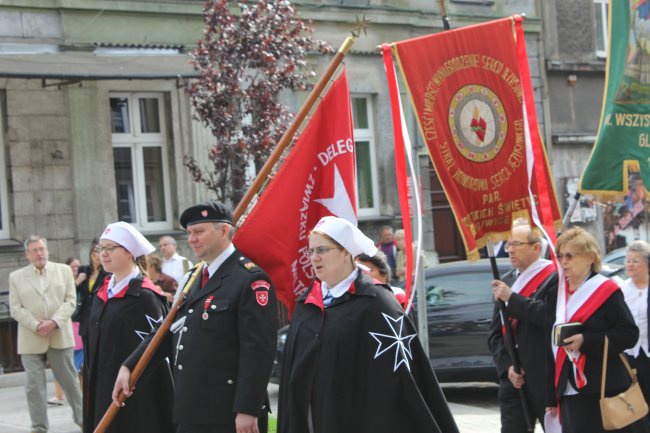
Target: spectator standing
(635, 291)
(387, 246)
(42, 299)
(167, 284)
(400, 261)
(173, 264)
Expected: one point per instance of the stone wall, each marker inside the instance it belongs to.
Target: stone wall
(39, 164)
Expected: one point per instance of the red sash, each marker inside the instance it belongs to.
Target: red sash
(538, 279)
(529, 289)
(598, 298)
(102, 293)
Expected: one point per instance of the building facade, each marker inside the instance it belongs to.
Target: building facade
(95, 119)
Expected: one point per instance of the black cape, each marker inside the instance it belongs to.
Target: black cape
(358, 367)
(116, 328)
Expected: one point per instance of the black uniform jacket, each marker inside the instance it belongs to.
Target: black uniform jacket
(614, 320)
(222, 364)
(117, 326)
(530, 313)
(358, 367)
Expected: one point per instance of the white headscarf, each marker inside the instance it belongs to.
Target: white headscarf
(129, 237)
(346, 234)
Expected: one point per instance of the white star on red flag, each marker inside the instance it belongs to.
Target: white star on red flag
(339, 204)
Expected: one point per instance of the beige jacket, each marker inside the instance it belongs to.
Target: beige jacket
(30, 303)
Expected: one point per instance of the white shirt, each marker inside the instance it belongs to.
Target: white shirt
(214, 266)
(637, 301)
(40, 275)
(341, 287)
(115, 287)
(174, 267)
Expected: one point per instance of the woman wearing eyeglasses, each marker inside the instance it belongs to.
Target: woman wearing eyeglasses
(352, 361)
(597, 303)
(636, 297)
(126, 308)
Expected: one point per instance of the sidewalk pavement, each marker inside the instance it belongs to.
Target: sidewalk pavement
(14, 417)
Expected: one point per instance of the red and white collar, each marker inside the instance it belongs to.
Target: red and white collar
(529, 273)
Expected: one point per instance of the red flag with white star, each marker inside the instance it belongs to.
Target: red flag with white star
(317, 179)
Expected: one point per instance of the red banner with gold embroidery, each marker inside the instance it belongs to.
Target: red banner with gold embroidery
(469, 96)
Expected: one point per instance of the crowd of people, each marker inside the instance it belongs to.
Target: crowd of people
(353, 362)
(560, 330)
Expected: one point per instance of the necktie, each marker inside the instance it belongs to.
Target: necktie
(205, 278)
(327, 300)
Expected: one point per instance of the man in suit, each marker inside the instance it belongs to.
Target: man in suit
(42, 298)
(224, 337)
(524, 291)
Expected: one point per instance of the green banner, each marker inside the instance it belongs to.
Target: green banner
(623, 138)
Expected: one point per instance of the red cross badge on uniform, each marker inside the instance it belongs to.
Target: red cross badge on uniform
(204, 213)
(262, 297)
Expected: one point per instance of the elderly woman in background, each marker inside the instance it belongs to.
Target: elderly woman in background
(598, 304)
(167, 284)
(353, 362)
(636, 296)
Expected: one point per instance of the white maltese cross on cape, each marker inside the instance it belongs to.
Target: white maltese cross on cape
(394, 342)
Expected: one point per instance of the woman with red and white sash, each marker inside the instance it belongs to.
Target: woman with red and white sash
(575, 368)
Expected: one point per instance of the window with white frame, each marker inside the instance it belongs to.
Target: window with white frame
(364, 139)
(601, 12)
(4, 207)
(140, 158)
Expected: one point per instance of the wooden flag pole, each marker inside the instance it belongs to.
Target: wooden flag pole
(297, 121)
(144, 360)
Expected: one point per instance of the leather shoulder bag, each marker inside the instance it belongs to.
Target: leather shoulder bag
(625, 408)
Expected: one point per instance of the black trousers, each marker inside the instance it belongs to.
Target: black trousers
(581, 414)
(512, 414)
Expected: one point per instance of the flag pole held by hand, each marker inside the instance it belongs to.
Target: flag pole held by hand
(142, 363)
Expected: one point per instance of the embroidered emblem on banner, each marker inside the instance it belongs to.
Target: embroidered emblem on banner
(401, 344)
(262, 297)
(478, 123)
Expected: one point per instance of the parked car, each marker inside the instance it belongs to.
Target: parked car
(616, 256)
(459, 312)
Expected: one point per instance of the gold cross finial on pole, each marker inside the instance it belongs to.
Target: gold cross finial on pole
(360, 25)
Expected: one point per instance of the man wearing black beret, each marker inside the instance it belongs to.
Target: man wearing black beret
(224, 337)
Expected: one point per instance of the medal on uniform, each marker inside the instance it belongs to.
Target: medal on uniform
(206, 304)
